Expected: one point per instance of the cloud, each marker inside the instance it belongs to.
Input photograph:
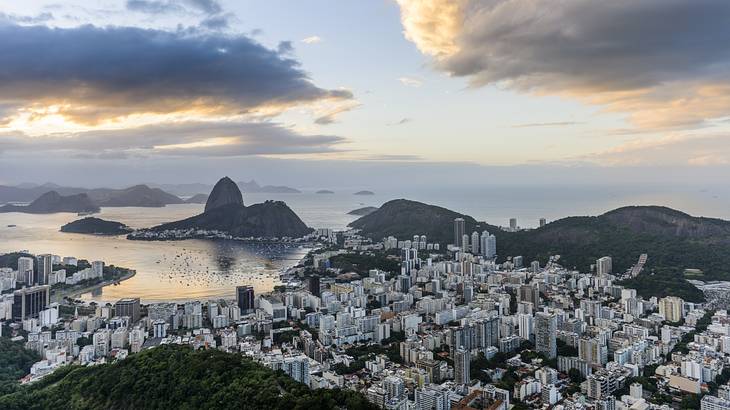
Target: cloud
(39, 18)
(217, 22)
(394, 157)
(92, 74)
(202, 139)
(401, 121)
(174, 6)
(312, 40)
(664, 62)
(547, 124)
(327, 113)
(674, 150)
(410, 82)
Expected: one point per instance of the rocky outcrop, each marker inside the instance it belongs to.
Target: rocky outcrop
(225, 212)
(225, 192)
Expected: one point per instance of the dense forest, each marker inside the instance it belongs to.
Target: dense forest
(15, 362)
(177, 377)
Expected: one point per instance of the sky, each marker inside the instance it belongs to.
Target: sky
(387, 91)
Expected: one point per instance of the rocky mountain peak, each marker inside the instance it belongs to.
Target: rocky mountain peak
(225, 192)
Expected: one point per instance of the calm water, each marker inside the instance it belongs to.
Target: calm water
(197, 269)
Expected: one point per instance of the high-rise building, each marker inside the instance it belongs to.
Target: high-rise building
(313, 285)
(28, 302)
(714, 403)
(592, 351)
(159, 328)
(459, 231)
(525, 325)
(394, 387)
(25, 270)
(604, 266)
(409, 260)
(543, 222)
(461, 366)
(488, 246)
(546, 326)
(671, 307)
(245, 297)
(97, 269)
(636, 390)
(128, 307)
(44, 268)
(529, 293)
(432, 397)
(513, 224)
(475, 243)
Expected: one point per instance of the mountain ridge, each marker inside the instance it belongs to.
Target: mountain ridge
(53, 202)
(137, 195)
(673, 239)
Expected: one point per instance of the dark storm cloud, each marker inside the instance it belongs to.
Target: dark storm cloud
(616, 45)
(666, 63)
(113, 71)
(225, 138)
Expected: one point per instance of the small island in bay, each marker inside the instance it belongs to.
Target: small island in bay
(324, 191)
(363, 211)
(364, 193)
(96, 226)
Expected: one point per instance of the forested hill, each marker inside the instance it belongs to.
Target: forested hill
(176, 377)
(673, 240)
(403, 218)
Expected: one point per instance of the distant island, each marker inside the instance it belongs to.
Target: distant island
(324, 191)
(363, 211)
(253, 187)
(96, 226)
(364, 193)
(138, 195)
(226, 215)
(673, 240)
(53, 202)
(197, 199)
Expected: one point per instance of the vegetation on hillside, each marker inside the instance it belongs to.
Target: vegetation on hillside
(673, 240)
(362, 263)
(96, 226)
(15, 362)
(177, 377)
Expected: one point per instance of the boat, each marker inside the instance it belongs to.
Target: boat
(12, 226)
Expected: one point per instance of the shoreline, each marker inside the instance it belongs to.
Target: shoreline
(74, 293)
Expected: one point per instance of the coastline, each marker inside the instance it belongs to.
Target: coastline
(58, 296)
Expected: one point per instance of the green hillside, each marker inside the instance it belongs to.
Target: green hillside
(176, 377)
(674, 241)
